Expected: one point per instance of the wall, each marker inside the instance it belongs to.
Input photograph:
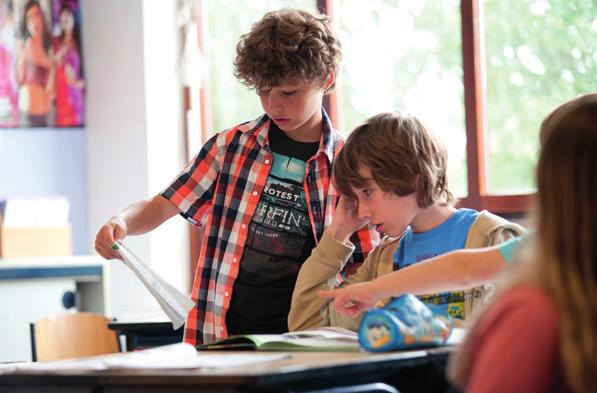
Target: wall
(134, 132)
(44, 162)
(131, 146)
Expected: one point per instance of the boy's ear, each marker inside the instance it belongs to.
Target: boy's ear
(329, 81)
(416, 183)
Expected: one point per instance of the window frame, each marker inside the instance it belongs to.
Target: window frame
(475, 120)
(478, 197)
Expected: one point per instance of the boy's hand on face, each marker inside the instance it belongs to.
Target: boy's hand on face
(352, 299)
(346, 220)
(114, 230)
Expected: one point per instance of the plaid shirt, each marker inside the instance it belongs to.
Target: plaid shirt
(228, 176)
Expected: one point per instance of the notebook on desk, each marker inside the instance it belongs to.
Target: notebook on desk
(321, 339)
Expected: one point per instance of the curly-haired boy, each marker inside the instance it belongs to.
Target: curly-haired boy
(264, 184)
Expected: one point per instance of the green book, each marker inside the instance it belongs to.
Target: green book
(320, 339)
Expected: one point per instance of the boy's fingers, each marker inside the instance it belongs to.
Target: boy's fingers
(349, 310)
(103, 251)
(329, 293)
(342, 303)
(119, 234)
(106, 251)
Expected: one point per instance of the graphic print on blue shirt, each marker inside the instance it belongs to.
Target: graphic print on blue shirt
(448, 236)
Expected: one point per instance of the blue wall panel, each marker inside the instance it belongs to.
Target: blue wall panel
(48, 162)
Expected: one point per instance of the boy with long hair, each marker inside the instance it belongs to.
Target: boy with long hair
(392, 173)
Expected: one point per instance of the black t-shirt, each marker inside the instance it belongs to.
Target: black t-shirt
(280, 238)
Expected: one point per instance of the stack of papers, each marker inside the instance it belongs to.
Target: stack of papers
(34, 212)
(175, 356)
(175, 304)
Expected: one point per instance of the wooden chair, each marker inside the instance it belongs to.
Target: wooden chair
(71, 336)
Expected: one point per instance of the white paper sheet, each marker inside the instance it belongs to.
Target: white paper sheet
(174, 356)
(175, 304)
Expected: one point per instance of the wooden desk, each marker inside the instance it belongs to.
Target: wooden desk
(409, 371)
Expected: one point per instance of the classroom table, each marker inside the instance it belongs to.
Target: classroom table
(409, 371)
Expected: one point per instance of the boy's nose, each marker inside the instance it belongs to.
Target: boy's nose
(273, 102)
(364, 212)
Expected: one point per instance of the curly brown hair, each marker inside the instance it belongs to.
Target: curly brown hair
(286, 45)
(403, 156)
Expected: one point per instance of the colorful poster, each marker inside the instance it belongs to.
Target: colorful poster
(41, 68)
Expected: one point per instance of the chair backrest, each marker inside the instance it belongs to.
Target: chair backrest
(71, 336)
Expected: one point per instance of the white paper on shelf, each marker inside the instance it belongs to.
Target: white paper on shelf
(35, 212)
(175, 304)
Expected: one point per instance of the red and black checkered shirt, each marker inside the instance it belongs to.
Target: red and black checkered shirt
(228, 176)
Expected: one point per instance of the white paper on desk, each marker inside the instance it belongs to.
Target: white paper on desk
(175, 304)
(183, 356)
(174, 356)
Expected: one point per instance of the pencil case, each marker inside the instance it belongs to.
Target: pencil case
(404, 323)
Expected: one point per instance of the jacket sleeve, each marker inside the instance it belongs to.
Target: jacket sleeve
(488, 230)
(366, 272)
(320, 271)
(504, 233)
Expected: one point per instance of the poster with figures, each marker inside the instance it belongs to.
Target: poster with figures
(41, 68)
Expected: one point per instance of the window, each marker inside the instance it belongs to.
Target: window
(508, 62)
(234, 102)
(538, 54)
(480, 73)
(405, 56)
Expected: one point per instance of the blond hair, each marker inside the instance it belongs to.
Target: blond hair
(403, 156)
(286, 45)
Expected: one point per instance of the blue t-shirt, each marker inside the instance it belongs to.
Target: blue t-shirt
(448, 236)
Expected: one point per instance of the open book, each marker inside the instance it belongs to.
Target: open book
(175, 304)
(321, 339)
